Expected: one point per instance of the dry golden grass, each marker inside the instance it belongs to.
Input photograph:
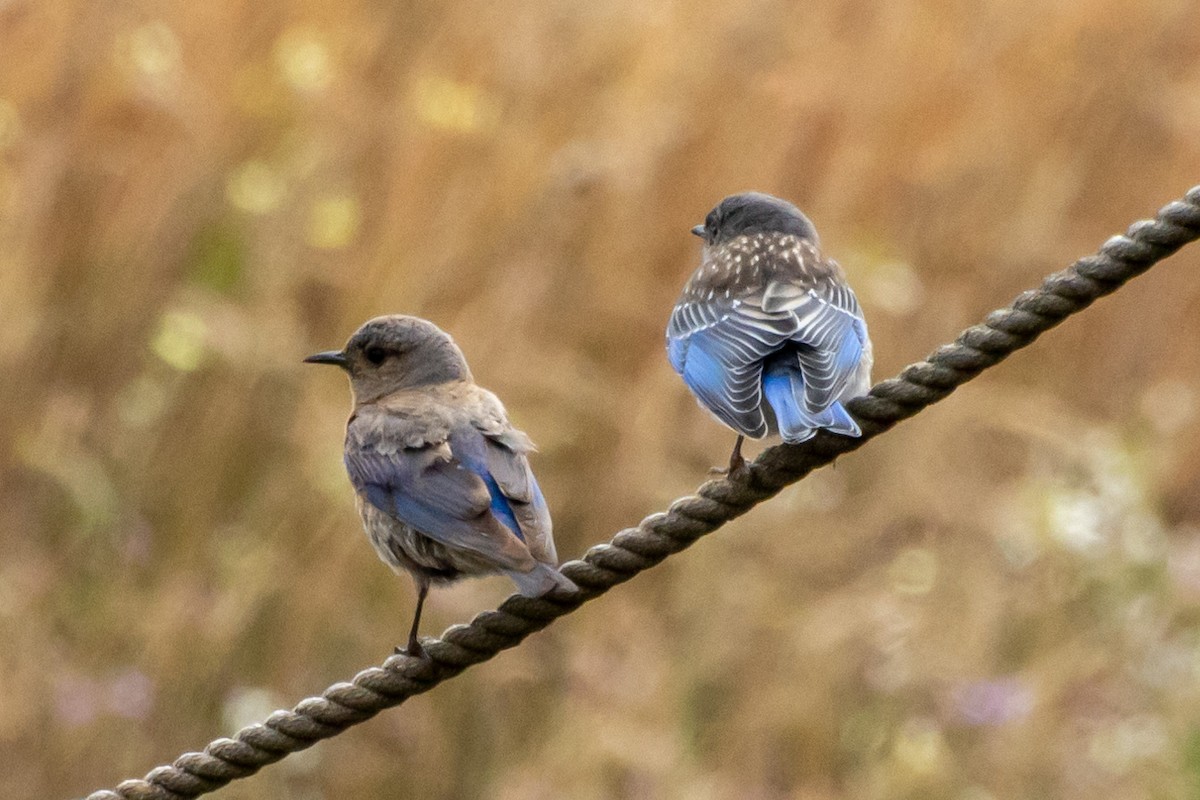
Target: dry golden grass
(999, 599)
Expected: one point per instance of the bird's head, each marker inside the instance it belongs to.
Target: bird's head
(396, 352)
(753, 212)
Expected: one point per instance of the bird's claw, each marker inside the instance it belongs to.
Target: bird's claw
(413, 650)
(737, 469)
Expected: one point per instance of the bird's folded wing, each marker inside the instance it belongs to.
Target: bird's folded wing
(718, 346)
(829, 324)
(431, 490)
(510, 469)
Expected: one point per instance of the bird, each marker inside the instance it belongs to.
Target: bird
(441, 477)
(767, 333)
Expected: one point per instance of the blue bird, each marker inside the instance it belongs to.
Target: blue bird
(767, 333)
(441, 476)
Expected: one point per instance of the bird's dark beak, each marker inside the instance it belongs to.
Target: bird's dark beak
(335, 357)
(699, 231)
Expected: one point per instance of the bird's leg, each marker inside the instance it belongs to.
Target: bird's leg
(737, 464)
(414, 648)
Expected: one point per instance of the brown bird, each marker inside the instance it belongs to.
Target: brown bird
(441, 476)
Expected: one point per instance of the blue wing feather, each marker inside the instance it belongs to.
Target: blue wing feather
(501, 507)
(470, 448)
(718, 347)
(434, 491)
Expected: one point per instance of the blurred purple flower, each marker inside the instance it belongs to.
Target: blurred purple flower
(992, 702)
(76, 698)
(136, 545)
(130, 694)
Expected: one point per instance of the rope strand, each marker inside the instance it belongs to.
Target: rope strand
(715, 503)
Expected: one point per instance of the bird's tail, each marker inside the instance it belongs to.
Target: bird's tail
(541, 580)
(784, 387)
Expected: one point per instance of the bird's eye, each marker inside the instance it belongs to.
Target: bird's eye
(375, 355)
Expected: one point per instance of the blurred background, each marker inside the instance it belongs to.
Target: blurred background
(1001, 598)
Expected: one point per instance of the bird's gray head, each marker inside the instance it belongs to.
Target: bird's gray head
(753, 212)
(396, 352)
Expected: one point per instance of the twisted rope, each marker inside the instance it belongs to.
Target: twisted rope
(715, 503)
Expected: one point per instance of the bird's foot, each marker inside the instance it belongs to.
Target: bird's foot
(737, 465)
(413, 650)
(737, 468)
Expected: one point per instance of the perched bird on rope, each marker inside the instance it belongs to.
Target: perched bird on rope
(767, 334)
(441, 476)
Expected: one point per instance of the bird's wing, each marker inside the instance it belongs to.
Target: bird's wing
(434, 489)
(506, 461)
(718, 344)
(503, 458)
(830, 328)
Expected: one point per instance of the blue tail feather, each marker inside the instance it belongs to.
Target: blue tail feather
(784, 388)
(783, 385)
